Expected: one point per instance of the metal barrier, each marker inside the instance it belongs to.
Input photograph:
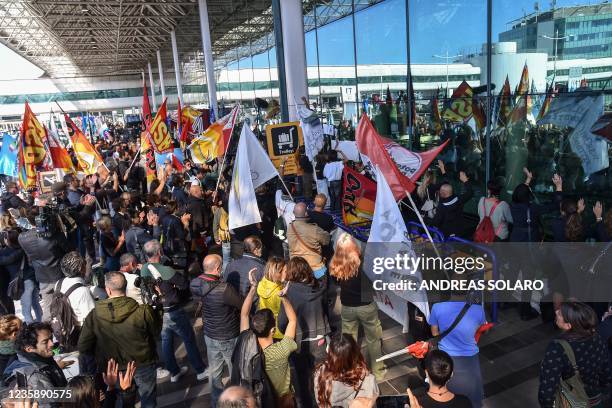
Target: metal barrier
(494, 268)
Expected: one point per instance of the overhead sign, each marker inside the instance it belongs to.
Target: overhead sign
(284, 140)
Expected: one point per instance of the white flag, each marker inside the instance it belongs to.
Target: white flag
(312, 129)
(262, 168)
(252, 168)
(592, 150)
(388, 238)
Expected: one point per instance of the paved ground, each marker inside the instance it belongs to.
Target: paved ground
(510, 356)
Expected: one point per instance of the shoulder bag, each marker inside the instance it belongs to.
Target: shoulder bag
(16, 286)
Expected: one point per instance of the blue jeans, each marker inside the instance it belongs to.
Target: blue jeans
(226, 249)
(218, 352)
(145, 379)
(319, 273)
(30, 302)
(177, 322)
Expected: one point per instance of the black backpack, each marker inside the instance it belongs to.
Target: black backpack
(248, 370)
(63, 320)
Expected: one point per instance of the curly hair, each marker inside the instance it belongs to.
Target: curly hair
(344, 363)
(9, 324)
(28, 334)
(347, 258)
(72, 264)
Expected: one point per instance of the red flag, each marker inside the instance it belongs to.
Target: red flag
(371, 144)
(400, 166)
(146, 108)
(505, 104)
(523, 86)
(479, 114)
(546, 104)
(358, 197)
(603, 127)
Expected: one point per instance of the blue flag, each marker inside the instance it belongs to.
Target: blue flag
(8, 155)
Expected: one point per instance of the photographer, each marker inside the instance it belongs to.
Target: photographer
(136, 235)
(44, 254)
(173, 289)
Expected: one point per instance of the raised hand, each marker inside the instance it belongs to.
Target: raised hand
(581, 206)
(111, 374)
(463, 177)
(125, 380)
(598, 210)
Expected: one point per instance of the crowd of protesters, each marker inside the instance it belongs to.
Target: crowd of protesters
(281, 304)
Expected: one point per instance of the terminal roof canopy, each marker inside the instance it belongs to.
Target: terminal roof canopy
(69, 38)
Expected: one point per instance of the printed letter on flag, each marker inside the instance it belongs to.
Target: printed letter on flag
(158, 132)
(358, 198)
(32, 148)
(460, 108)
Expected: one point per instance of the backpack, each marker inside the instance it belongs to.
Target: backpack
(248, 369)
(571, 393)
(63, 318)
(485, 233)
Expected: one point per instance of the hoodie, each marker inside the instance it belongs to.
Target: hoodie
(268, 299)
(310, 305)
(122, 329)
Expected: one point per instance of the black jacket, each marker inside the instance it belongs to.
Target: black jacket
(449, 214)
(10, 260)
(310, 305)
(221, 305)
(522, 230)
(237, 272)
(199, 216)
(11, 200)
(44, 255)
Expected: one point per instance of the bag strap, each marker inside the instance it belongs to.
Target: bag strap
(360, 385)
(491, 212)
(456, 322)
(23, 257)
(302, 242)
(72, 289)
(569, 352)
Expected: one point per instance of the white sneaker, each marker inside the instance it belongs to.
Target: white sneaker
(162, 373)
(181, 373)
(203, 375)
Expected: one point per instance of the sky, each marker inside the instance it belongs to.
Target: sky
(436, 26)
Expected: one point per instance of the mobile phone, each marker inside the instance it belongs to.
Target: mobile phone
(22, 381)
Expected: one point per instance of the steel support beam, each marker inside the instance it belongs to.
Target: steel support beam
(161, 76)
(177, 67)
(280, 60)
(208, 56)
(152, 85)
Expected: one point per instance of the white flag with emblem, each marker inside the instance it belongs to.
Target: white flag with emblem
(389, 239)
(252, 168)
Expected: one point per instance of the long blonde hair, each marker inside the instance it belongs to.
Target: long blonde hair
(347, 258)
(274, 269)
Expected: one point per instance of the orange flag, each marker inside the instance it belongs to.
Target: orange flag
(88, 157)
(32, 151)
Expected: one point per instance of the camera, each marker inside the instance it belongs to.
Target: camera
(53, 219)
(148, 291)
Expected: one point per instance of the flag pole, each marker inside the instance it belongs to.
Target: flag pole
(229, 141)
(134, 160)
(420, 217)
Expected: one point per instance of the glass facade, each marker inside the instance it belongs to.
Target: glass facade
(357, 53)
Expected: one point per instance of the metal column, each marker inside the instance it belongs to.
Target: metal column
(208, 57)
(280, 60)
(409, 86)
(295, 54)
(177, 66)
(152, 86)
(489, 101)
(161, 76)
